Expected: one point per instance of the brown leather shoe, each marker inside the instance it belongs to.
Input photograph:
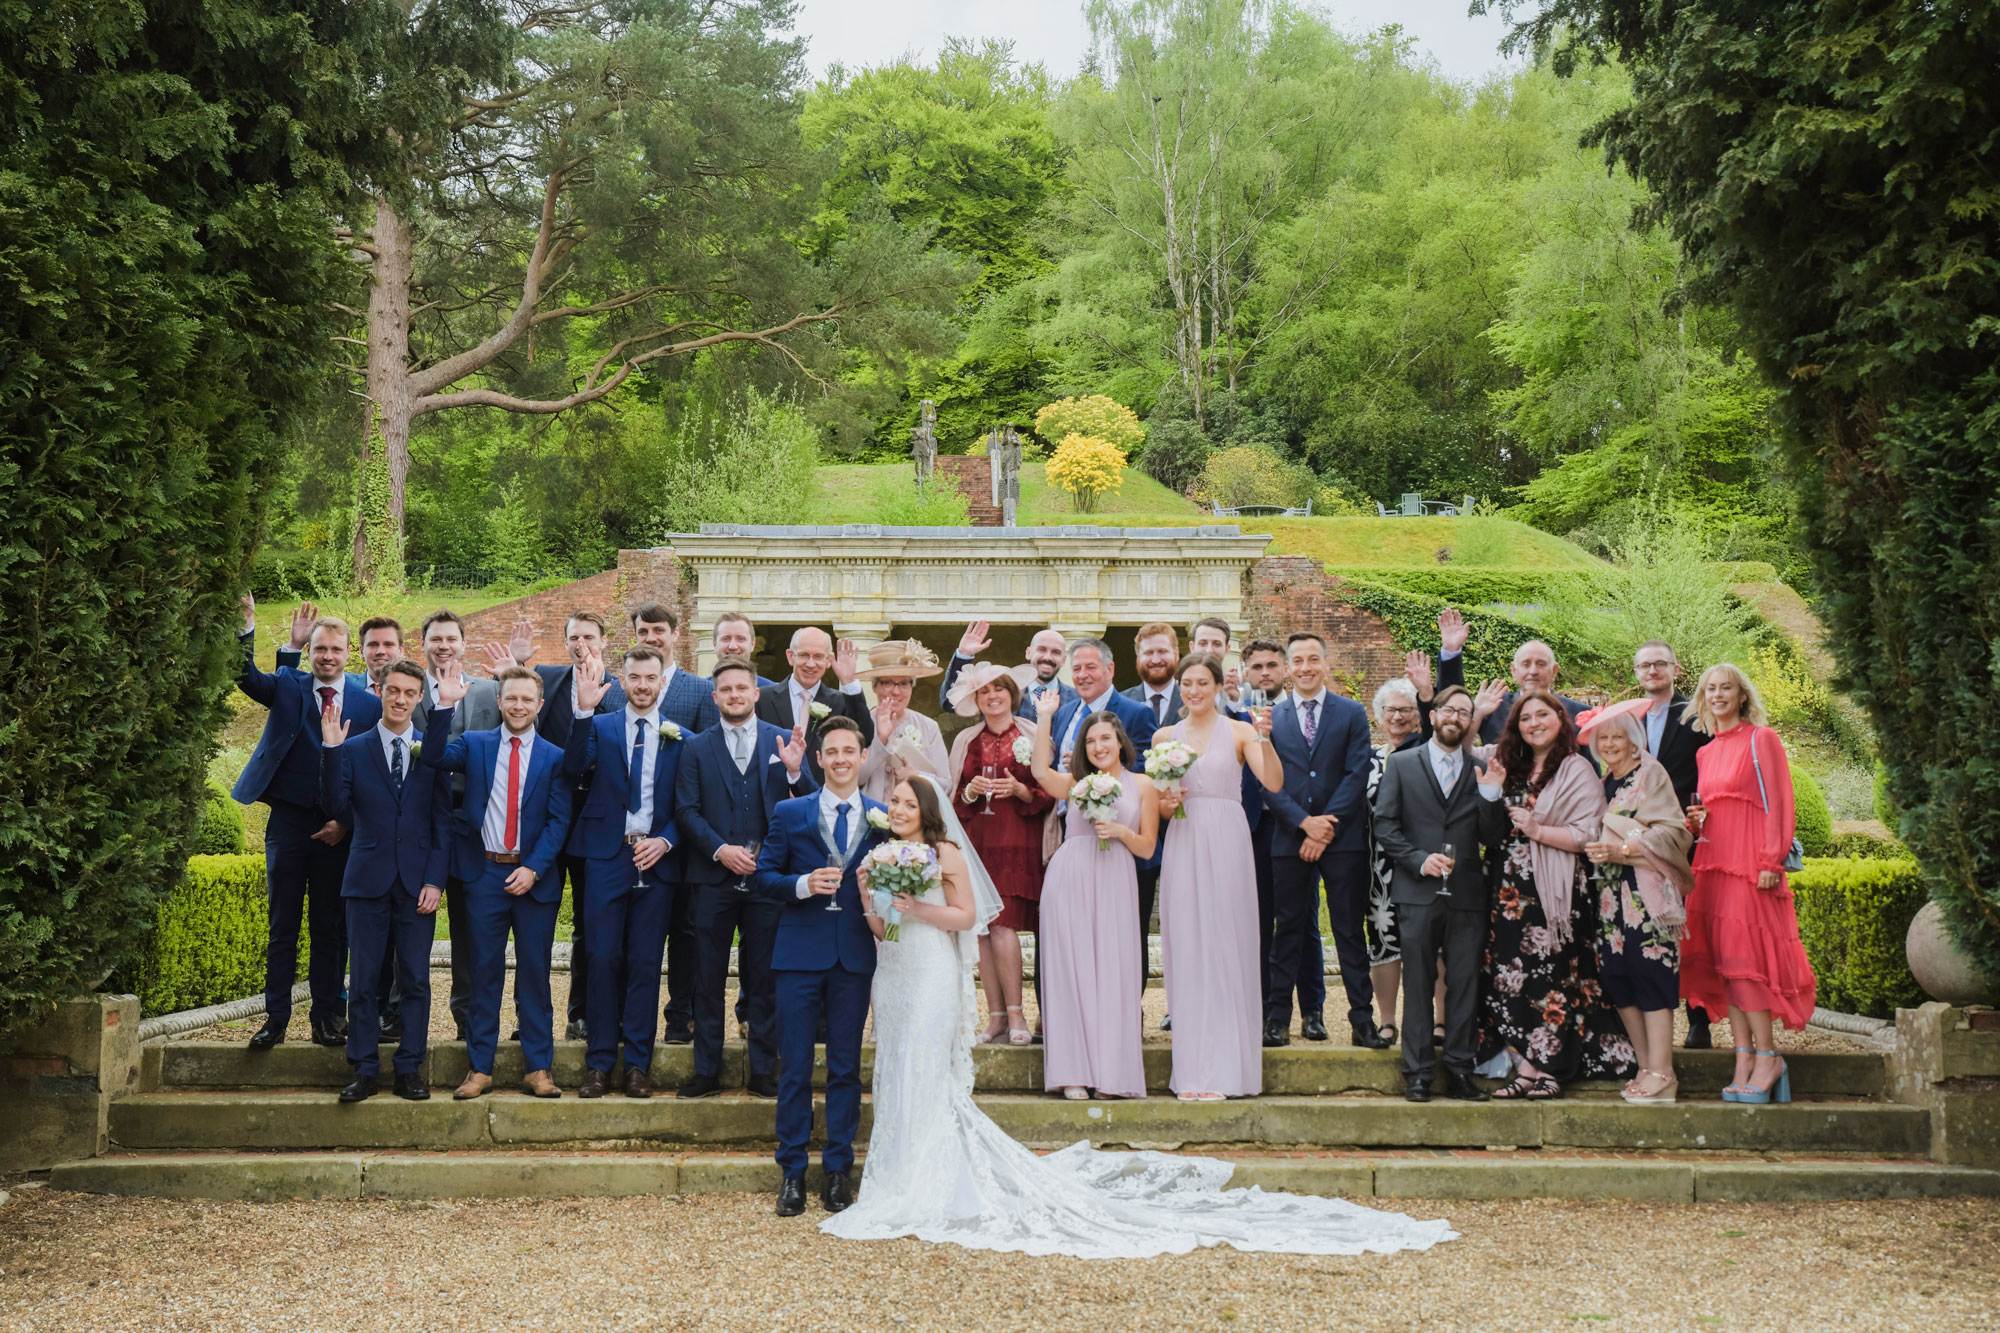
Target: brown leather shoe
(595, 1081)
(476, 1085)
(638, 1083)
(539, 1084)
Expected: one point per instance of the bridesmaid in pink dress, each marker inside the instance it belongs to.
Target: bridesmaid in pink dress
(1088, 958)
(1208, 895)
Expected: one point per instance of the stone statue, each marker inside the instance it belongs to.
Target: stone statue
(923, 443)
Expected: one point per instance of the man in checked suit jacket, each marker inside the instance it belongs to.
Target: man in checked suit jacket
(1430, 795)
(505, 837)
(305, 847)
(731, 779)
(811, 653)
(401, 813)
(1320, 836)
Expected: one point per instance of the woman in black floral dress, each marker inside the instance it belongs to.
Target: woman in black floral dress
(1541, 998)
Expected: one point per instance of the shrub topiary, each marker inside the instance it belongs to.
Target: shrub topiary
(1812, 819)
(1087, 468)
(208, 937)
(1097, 416)
(220, 831)
(1853, 917)
(167, 175)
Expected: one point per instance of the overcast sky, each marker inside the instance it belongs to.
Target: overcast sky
(874, 32)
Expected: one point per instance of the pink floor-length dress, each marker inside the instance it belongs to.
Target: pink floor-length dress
(1087, 955)
(1208, 929)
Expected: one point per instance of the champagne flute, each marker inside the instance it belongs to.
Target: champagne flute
(755, 847)
(1450, 855)
(835, 861)
(1696, 808)
(991, 772)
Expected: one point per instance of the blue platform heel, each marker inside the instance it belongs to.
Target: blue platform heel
(1732, 1091)
(1780, 1091)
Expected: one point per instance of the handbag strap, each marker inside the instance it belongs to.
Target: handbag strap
(1758, 769)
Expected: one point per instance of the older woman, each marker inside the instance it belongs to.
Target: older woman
(1542, 999)
(1002, 807)
(1642, 880)
(1742, 948)
(1397, 713)
(905, 742)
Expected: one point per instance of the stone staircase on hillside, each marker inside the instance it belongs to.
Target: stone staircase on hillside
(214, 1120)
(973, 475)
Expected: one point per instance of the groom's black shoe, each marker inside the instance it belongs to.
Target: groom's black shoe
(1366, 1034)
(1461, 1088)
(1419, 1089)
(838, 1195)
(700, 1085)
(792, 1196)
(1313, 1028)
(1277, 1034)
(762, 1085)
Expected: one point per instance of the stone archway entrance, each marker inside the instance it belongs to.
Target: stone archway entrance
(872, 583)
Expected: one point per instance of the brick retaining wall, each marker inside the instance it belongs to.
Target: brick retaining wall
(641, 576)
(1289, 593)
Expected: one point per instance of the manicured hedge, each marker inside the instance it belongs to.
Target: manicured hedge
(219, 832)
(1412, 620)
(1812, 820)
(1853, 917)
(208, 938)
(1461, 587)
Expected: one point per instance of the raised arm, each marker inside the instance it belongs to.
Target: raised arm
(1042, 765)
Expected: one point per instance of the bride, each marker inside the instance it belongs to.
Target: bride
(939, 1170)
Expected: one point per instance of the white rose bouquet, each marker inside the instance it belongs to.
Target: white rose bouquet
(1097, 797)
(1167, 763)
(899, 867)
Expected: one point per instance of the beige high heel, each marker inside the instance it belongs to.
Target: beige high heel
(1018, 1036)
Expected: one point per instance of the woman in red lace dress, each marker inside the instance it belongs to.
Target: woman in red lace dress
(1002, 808)
(1742, 948)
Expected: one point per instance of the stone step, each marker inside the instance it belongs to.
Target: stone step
(265, 1177)
(314, 1120)
(1301, 1070)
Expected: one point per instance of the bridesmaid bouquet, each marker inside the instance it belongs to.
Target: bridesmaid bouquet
(1167, 763)
(898, 867)
(1097, 798)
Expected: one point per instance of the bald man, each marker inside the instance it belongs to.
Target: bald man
(792, 701)
(1046, 652)
(1534, 668)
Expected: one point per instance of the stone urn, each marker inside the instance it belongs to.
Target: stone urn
(1941, 967)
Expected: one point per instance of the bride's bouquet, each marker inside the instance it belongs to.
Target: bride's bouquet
(899, 867)
(1167, 763)
(1097, 797)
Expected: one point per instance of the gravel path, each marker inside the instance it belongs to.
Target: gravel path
(724, 1262)
(1155, 1005)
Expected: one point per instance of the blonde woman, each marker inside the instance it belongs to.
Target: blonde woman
(1742, 948)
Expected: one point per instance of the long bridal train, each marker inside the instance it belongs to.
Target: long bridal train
(940, 1170)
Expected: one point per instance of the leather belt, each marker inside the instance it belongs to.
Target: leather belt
(634, 839)
(504, 858)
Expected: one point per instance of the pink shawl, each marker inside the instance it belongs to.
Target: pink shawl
(1572, 800)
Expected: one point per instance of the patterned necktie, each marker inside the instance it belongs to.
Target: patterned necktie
(1310, 726)
(840, 831)
(513, 834)
(739, 747)
(634, 771)
(1449, 780)
(396, 763)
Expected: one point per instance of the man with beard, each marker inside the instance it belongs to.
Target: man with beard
(1430, 798)
(1045, 654)
(1159, 656)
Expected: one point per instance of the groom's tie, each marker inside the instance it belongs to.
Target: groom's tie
(840, 833)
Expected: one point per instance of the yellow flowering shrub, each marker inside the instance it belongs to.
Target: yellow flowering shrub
(1087, 467)
(1097, 416)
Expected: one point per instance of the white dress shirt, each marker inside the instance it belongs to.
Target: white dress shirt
(640, 821)
(389, 739)
(339, 688)
(829, 811)
(493, 829)
(802, 698)
(1156, 703)
(739, 742)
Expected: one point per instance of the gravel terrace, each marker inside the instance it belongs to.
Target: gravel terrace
(714, 1262)
(1155, 1005)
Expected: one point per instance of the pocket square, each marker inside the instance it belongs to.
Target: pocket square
(771, 759)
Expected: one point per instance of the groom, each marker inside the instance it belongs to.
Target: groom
(823, 960)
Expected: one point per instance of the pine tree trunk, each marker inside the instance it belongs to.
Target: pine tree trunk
(389, 392)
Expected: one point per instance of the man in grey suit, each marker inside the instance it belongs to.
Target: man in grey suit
(443, 638)
(1431, 796)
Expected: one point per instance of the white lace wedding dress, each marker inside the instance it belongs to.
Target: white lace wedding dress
(940, 1170)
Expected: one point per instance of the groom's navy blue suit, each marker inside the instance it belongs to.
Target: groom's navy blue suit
(824, 964)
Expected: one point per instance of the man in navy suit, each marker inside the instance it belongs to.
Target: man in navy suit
(1322, 740)
(583, 635)
(732, 778)
(505, 837)
(736, 636)
(305, 847)
(623, 833)
(804, 696)
(401, 814)
(688, 701)
(823, 960)
(1045, 654)
(1091, 669)
(1264, 670)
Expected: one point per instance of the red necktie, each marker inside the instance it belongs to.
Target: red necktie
(514, 794)
(325, 697)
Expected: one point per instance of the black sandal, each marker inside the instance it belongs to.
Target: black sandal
(1543, 1089)
(1516, 1090)
(1390, 1033)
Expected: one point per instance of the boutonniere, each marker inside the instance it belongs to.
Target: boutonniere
(820, 712)
(416, 750)
(1024, 750)
(671, 730)
(878, 820)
